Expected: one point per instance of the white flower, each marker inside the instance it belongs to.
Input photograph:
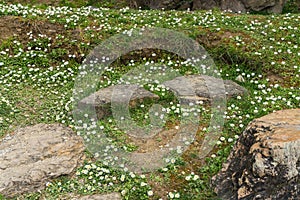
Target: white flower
(188, 178)
(143, 176)
(122, 177)
(171, 195)
(143, 184)
(150, 193)
(132, 174)
(196, 177)
(179, 151)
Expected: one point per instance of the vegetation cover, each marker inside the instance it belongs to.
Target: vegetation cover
(42, 48)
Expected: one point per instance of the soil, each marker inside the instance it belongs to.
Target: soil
(190, 157)
(16, 28)
(38, 2)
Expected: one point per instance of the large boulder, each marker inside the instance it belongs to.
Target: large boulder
(205, 4)
(34, 155)
(271, 6)
(162, 4)
(265, 162)
(234, 6)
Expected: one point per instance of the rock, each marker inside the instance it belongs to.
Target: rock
(265, 162)
(271, 6)
(188, 89)
(32, 156)
(194, 88)
(259, 5)
(234, 6)
(102, 99)
(297, 3)
(162, 4)
(205, 4)
(278, 7)
(110, 196)
(170, 4)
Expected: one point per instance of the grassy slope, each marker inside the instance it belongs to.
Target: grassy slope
(38, 66)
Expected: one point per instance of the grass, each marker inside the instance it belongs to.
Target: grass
(39, 65)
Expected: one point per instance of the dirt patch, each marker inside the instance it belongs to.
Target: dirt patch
(13, 26)
(214, 39)
(17, 27)
(274, 78)
(7, 31)
(277, 78)
(39, 2)
(26, 30)
(152, 144)
(74, 3)
(160, 184)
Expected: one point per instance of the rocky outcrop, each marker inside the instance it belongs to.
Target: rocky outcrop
(160, 4)
(235, 6)
(298, 2)
(205, 5)
(271, 6)
(32, 156)
(265, 162)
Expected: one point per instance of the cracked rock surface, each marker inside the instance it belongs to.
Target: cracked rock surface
(34, 155)
(265, 162)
